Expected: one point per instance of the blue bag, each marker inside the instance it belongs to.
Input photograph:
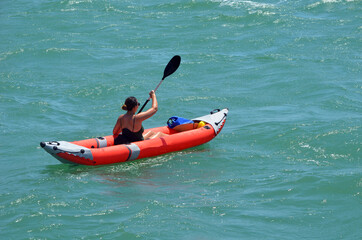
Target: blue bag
(175, 121)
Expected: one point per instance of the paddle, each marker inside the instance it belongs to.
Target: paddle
(171, 67)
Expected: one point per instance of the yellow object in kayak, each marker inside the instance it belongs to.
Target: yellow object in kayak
(201, 124)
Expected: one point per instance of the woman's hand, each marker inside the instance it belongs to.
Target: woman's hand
(152, 93)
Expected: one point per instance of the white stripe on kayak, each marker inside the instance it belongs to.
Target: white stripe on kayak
(101, 142)
(134, 151)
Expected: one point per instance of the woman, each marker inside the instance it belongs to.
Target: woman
(130, 124)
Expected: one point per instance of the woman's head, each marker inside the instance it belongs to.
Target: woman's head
(130, 103)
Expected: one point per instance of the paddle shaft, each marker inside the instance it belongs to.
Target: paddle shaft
(149, 98)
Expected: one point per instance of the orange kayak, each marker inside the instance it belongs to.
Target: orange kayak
(101, 150)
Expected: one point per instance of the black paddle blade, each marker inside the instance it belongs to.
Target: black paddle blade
(172, 66)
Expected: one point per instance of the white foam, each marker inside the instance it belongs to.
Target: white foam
(240, 3)
(316, 4)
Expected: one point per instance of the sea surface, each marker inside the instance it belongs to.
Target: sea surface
(287, 164)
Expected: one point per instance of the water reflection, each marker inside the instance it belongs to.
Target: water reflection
(124, 174)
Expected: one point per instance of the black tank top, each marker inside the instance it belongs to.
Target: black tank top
(133, 136)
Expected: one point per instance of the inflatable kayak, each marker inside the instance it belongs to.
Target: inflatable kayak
(101, 150)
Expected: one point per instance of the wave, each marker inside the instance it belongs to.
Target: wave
(60, 50)
(5, 55)
(243, 3)
(323, 2)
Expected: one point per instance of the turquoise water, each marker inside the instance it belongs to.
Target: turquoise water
(285, 166)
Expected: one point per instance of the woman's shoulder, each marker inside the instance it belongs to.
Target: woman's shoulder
(145, 115)
(121, 117)
(141, 116)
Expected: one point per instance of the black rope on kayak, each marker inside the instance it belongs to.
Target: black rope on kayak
(82, 151)
(217, 123)
(215, 111)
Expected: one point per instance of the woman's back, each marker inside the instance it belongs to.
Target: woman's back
(130, 124)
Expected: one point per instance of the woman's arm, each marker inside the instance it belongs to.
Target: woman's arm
(150, 112)
(118, 127)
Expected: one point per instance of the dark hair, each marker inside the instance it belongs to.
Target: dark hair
(130, 103)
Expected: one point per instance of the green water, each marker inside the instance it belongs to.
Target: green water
(285, 166)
